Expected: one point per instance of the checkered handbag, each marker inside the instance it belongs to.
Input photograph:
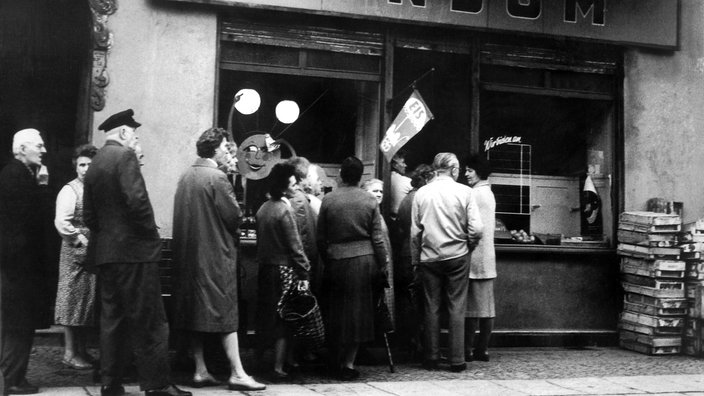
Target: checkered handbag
(300, 311)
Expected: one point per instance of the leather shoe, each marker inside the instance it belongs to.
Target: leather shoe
(348, 374)
(112, 390)
(23, 388)
(458, 368)
(244, 384)
(430, 364)
(482, 356)
(169, 390)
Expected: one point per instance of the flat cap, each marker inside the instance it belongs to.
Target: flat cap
(119, 119)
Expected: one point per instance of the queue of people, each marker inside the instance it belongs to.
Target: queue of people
(339, 249)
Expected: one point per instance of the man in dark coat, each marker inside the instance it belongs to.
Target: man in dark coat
(126, 249)
(25, 203)
(206, 221)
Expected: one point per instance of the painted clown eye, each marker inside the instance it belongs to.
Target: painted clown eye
(251, 149)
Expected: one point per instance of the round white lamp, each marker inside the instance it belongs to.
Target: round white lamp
(247, 101)
(287, 111)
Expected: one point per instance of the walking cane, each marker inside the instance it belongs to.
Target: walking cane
(388, 354)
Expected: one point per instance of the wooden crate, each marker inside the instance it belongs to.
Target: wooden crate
(650, 330)
(648, 349)
(690, 289)
(694, 270)
(692, 346)
(656, 302)
(655, 311)
(653, 292)
(650, 218)
(647, 238)
(673, 269)
(652, 340)
(655, 283)
(692, 247)
(649, 252)
(652, 321)
(691, 256)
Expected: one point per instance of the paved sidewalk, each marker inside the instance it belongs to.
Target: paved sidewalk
(511, 371)
(689, 385)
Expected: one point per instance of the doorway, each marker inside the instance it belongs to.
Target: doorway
(45, 60)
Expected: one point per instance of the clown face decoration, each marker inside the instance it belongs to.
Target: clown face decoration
(257, 155)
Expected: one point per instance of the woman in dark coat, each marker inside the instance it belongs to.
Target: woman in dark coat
(351, 242)
(278, 245)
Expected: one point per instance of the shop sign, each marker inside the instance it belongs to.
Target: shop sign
(634, 22)
(497, 141)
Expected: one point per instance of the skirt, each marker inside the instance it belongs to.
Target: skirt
(270, 326)
(76, 292)
(350, 299)
(480, 299)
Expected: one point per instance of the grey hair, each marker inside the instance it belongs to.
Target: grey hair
(23, 137)
(445, 161)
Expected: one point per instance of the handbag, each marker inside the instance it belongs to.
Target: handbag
(299, 310)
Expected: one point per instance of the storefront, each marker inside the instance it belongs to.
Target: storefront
(542, 88)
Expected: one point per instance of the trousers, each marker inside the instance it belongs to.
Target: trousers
(448, 280)
(132, 314)
(14, 355)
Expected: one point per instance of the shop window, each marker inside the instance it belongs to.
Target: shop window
(338, 118)
(568, 143)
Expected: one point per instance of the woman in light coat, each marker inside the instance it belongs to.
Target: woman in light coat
(482, 270)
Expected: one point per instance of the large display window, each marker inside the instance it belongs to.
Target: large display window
(328, 74)
(549, 131)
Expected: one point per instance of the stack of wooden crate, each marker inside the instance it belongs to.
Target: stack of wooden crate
(652, 274)
(692, 245)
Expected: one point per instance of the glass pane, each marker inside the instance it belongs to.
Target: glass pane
(570, 143)
(333, 114)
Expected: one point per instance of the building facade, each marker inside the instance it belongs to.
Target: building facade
(562, 96)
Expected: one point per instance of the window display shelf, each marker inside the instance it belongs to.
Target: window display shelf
(543, 249)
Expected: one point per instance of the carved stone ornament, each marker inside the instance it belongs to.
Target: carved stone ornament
(102, 41)
(105, 7)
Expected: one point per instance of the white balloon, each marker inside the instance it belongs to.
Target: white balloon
(287, 111)
(248, 101)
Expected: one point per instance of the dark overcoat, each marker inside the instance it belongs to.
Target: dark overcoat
(25, 212)
(206, 220)
(117, 210)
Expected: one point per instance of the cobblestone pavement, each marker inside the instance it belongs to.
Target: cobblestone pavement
(507, 364)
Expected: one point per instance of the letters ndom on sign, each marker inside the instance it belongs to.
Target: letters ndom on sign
(412, 118)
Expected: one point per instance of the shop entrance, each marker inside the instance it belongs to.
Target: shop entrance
(44, 71)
